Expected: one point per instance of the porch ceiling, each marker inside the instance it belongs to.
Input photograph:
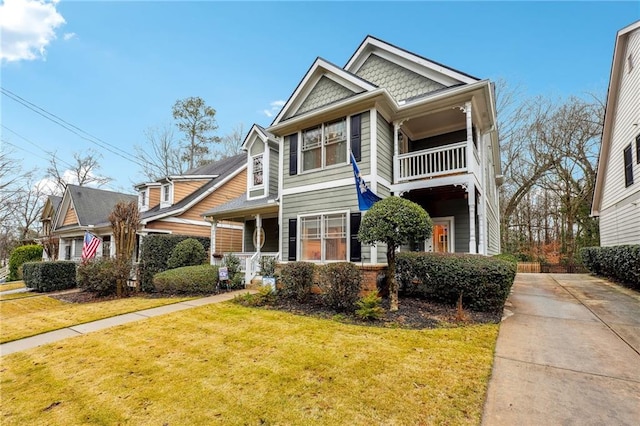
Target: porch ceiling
(432, 124)
(448, 192)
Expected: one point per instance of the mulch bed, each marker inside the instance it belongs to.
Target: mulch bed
(413, 313)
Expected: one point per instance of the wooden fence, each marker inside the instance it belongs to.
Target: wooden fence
(550, 268)
(529, 267)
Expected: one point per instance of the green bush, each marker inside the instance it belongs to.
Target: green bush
(154, 254)
(340, 284)
(187, 280)
(483, 282)
(369, 307)
(98, 276)
(506, 256)
(618, 263)
(236, 277)
(20, 255)
(268, 266)
(50, 276)
(297, 280)
(189, 252)
(264, 296)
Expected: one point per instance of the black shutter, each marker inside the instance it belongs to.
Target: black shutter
(293, 236)
(355, 137)
(356, 247)
(628, 166)
(638, 149)
(293, 154)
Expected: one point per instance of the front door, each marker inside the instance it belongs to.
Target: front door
(442, 238)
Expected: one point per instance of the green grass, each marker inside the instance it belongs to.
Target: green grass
(29, 315)
(227, 364)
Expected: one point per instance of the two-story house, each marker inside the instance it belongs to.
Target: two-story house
(416, 128)
(616, 197)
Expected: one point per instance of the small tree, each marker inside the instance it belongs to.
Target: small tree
(394, 221)
(125, 220)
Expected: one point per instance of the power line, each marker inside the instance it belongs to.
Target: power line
(53, 154)
(22, 149)
(70, 127)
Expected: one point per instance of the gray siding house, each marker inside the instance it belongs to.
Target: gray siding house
(616, 198)
(416, 128)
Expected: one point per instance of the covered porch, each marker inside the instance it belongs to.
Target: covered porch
(260, 234)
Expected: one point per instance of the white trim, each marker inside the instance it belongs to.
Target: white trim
(462, 179)
(323, 145)
(281, 173)
(322, 185)
(322, 214)
(373, 147)
(250, 181)
(450, 221)
(196, 222)
(166, 189)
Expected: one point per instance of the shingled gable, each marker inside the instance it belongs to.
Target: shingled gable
(322, 75)
(218, 172)
(92, 206)
(257, 131)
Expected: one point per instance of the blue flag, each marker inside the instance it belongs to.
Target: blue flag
(366, 198)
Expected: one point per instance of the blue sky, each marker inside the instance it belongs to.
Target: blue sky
(114, 69)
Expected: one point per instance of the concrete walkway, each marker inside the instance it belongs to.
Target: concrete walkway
(568, 353)
(77, 330)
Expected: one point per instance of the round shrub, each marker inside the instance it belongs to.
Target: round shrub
(297, 280)
(189, 252)
(20, 255)
(98, 276)
(340, 284)
(187, 280)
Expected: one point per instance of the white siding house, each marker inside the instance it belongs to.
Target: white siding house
(617, 192)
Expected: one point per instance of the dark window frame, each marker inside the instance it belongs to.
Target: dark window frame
(628, 166)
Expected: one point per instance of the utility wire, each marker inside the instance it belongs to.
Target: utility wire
(22, 149)
(70, 127)
(51, 153)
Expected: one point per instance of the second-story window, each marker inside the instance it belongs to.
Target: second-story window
(324, 145)
(257, 171)
(143, 198)
(166, 196)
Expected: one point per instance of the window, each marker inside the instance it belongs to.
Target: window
(324, 237)
(630, 63)
(628, 166)
(638, 149)
(257, 170)
(324, 145)
(165, 193)
(106, 246)
(143, 198)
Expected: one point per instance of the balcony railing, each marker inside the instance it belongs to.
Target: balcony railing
(432, 162)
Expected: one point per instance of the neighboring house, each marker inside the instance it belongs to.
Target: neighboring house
(174, 204)
(616, 198)
(85, 209)
(417, 129)
(49, 241)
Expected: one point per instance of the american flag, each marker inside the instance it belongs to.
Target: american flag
(90, 246)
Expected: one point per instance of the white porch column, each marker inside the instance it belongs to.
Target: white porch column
(467, 110)
(61, 244)
(258, 240)
(396, 152)
(471, 198)
(214, 229)
(482, 222)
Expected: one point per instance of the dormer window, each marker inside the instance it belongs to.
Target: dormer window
(257, 170)
(143, 198)
(166, 195)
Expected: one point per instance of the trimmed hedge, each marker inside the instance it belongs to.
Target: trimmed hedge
(20, 255)
(98, 276)
(484, 282)
(50, 276)
(155, 252)
(618, 263)
(340, 284)
(187, 280)
(189, 252)
(297, 280)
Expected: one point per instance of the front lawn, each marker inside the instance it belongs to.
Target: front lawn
(227, 364)
(28, 316)
(11, 285)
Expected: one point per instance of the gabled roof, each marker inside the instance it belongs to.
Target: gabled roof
(318, 69)
(92, 205)
(51, 206)
(223, 170)
(260, 132)
(416, 63)
(617, 68)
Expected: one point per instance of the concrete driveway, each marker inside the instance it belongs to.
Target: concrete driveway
(568, 353)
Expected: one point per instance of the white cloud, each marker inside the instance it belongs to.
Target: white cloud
(275, 108)
(69, 36)
(28, 26)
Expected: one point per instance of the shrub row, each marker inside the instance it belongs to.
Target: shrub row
(49, 276)
(619, 263)
(100, 276)
(483, 282)
(155, 253)
(187, 280)
(22, 254)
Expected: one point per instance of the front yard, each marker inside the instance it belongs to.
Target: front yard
(227, 364)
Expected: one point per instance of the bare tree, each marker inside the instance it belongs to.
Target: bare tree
(161, 155)
(196, 120)
(125, 220)
(29, 201)
(231, 143)
(82, 172)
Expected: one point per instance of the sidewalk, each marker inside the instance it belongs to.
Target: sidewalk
(568, 352)
(77, 330)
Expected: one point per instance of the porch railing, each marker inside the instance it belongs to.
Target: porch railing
(249, 263)
(432, 162)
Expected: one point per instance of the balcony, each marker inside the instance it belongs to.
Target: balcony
(432, 162)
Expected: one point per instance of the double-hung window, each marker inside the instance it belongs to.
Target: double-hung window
(324, 145)
(324, 237)
(628, 166)
(165, 201)
(257, 170)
